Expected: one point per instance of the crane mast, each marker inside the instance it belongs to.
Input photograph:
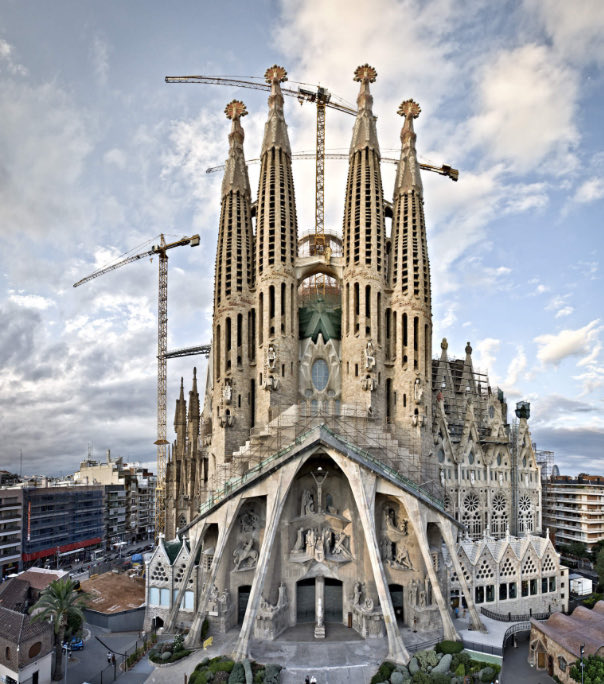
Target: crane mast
(162, 356)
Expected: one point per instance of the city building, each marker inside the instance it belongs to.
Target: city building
(11, 530)
(573, 508)
(335, 466)
(26, 648)
(61, 522)
(130, 497)
(556, 643)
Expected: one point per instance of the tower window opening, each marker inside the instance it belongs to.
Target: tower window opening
(356, 307)
(356, 370)
(368, 310)
(217, 360)
(282, 370)
(283, 306)
(394, 335)
(228, 335)
(239, 330)
(261, 318)
(404, 400)
(251, 323)
(405, 331)
(271, 302)
(379, 317)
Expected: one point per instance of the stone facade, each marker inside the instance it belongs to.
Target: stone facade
(513, 575)
(334, 462)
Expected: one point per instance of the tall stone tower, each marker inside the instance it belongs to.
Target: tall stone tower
(232, 347)
(409, 322)
(275, 385)
(365, 263)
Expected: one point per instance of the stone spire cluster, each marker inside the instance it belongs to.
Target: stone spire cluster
(364, 276)
(411, 315)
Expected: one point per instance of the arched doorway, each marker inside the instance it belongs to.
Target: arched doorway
(243, 596)
(305, 600)
(157, 622)
(333, 600)
(396, 594)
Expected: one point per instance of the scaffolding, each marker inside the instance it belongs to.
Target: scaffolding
(401, 455)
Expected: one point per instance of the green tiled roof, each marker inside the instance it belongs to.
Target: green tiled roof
(320, 317)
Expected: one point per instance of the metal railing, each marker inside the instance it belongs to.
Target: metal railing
(515, 629)
(511, 617)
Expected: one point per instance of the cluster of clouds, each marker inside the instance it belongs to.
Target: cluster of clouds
(501, 88)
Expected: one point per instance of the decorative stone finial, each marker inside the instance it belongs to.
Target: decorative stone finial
(275, 74)
(444, 344)
(235, 110)
(468, 348)
(365, 74)
(409, 109)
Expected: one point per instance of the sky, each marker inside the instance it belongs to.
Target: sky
(98, 156)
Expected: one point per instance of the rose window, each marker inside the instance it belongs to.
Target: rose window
(471, 503)
(499, 503)
(524, 505)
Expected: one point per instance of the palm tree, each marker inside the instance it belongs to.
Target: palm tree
(57, 603)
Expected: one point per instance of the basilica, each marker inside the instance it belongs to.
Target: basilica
(337, 472)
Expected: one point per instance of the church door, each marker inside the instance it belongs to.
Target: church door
(305, 600)
(333, 600)
(396, 594)
(243, 596)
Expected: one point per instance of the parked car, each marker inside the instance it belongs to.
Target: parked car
(76, 644)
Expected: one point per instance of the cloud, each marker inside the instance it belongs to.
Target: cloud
(554, 348)
(576, 29)
(100, 59)
(485, 353)
(517, 366)
(30, 301)
(7, 61)
(522, 117)
(590, 191)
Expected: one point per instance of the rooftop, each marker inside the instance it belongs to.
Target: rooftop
(114, 592)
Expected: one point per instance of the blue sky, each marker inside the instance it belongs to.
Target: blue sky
(98, 156)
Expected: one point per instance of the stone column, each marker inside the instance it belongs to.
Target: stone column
(185, 580)
(320, 607)
(418, 523)
(447, 533)
(363, 485)
(226, 519)
(274, 506)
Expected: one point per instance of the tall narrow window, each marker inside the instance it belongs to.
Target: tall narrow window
(217, 359)
(368, 310)
(379, 317)
(261, 319)
(271, 302)
(356, 307)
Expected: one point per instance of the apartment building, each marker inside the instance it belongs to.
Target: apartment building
(573, 508)
(129, 497)
(60, 521)
(11, 526)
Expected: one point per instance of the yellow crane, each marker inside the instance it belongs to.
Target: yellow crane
(443, 170)
(322, 98)
(162, 356)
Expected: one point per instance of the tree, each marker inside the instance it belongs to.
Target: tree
(578, 549)
(593, 672)
(599, 567)
(59, 604)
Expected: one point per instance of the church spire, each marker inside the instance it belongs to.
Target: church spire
(275, 129)
(407, 176)
(180, 415)
(364, 247)
(276, 225)
(235, 173)
(234, 252)
(365, 133)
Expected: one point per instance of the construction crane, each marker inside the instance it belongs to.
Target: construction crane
(443, 170)
(162, 356)
(322, 98)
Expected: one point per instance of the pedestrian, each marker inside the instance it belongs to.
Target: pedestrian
(456, 612)
(464, 613)
(307, 680)
(109, 654)
(313, 680)
(113, 659)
